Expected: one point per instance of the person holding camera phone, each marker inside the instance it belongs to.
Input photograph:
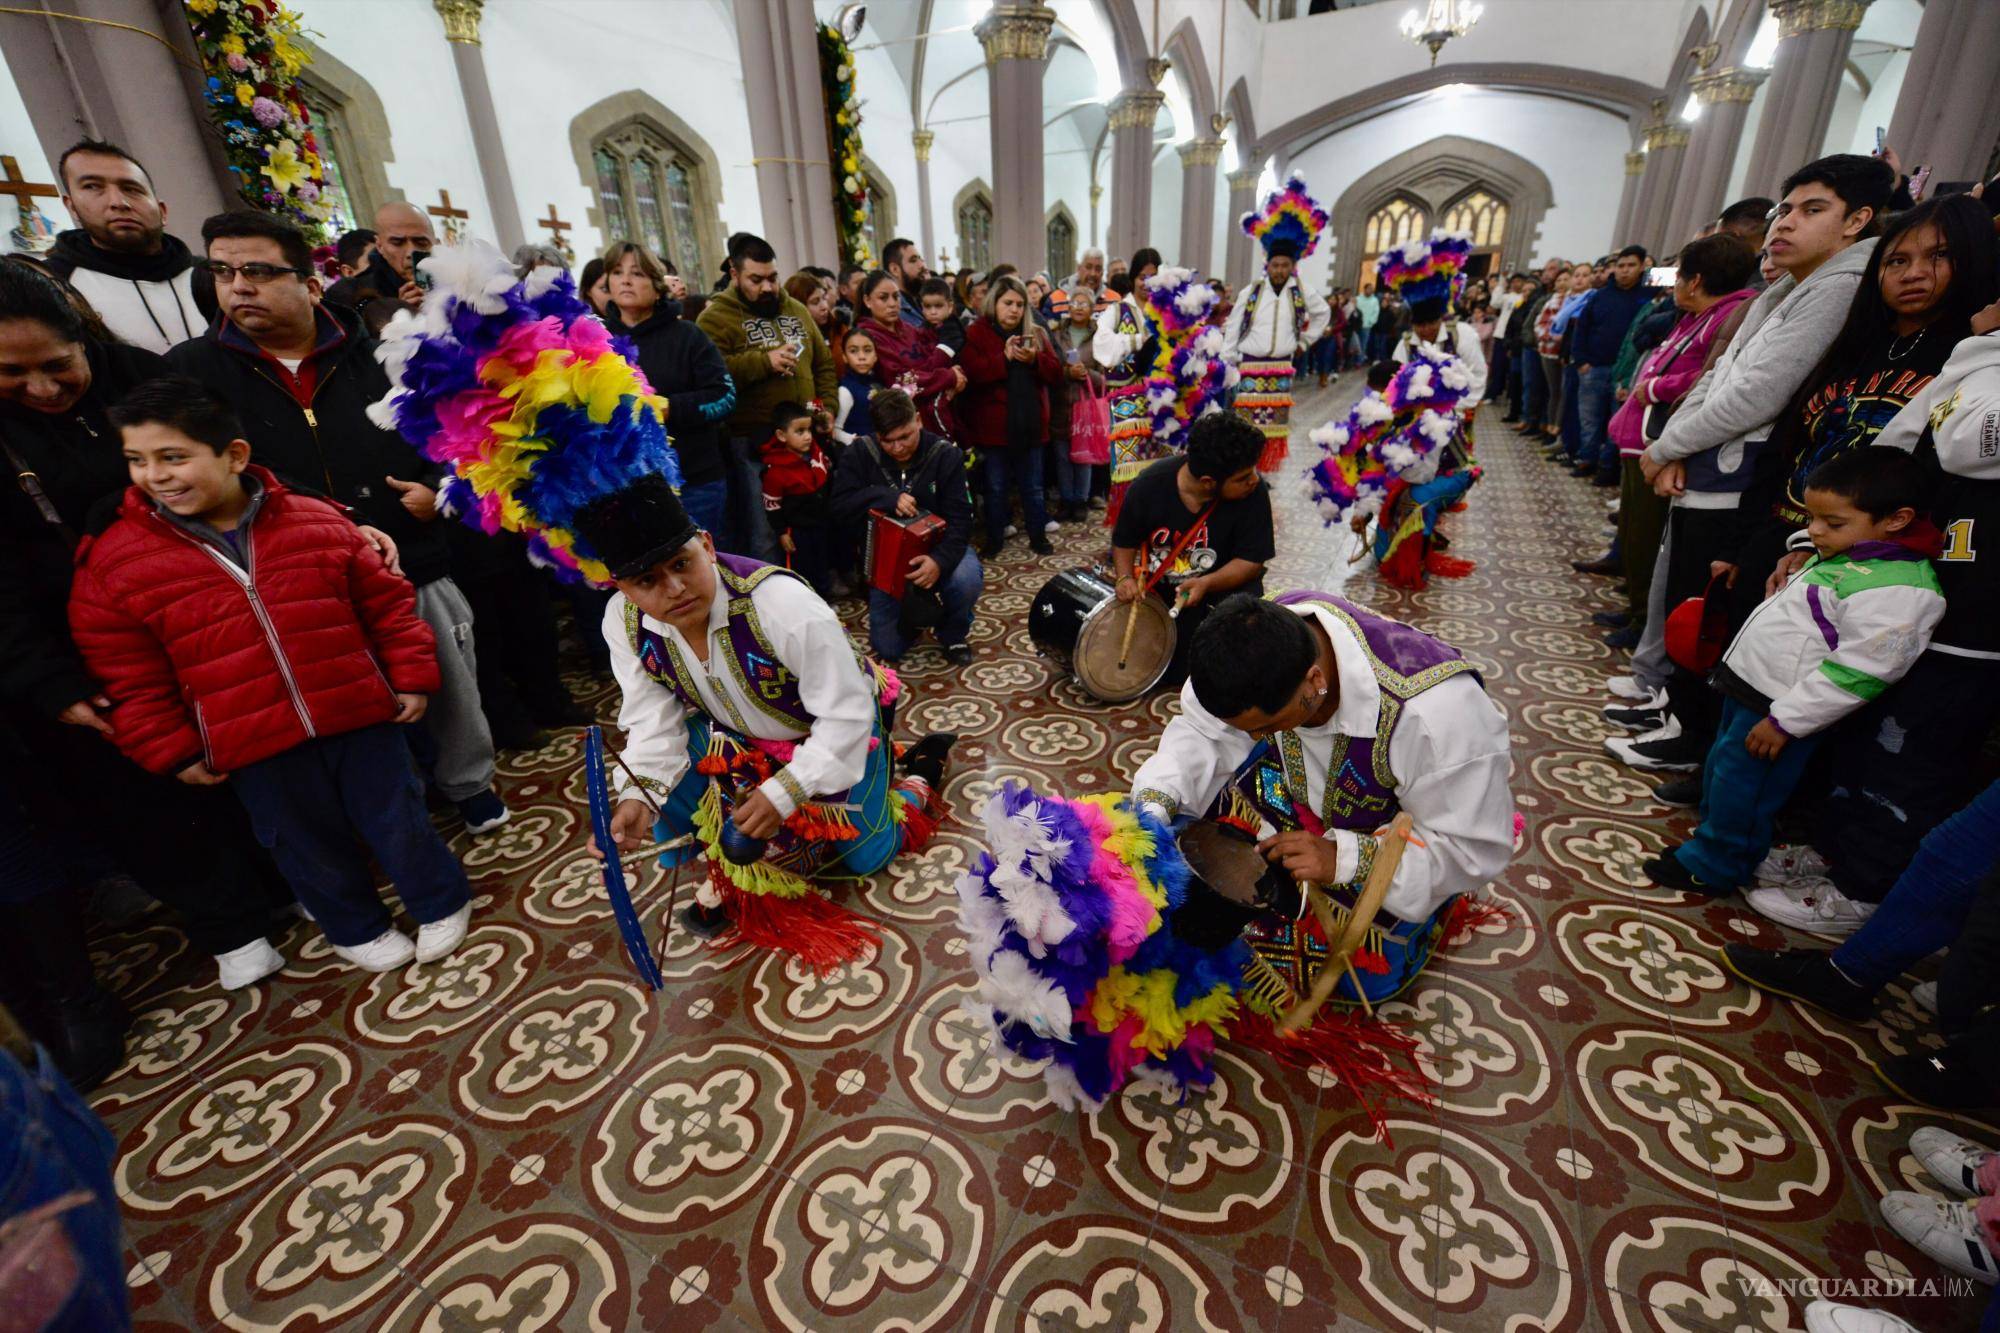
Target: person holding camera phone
(1010, 365)
(392, 281)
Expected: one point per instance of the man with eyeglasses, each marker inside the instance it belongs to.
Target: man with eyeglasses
(390, 282)
(301, 376)
(119, 255)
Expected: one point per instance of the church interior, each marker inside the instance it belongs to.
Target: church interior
(1578, 1115)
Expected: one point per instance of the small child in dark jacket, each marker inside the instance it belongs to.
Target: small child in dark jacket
(796, 477)
(940, 309)
(251, 635)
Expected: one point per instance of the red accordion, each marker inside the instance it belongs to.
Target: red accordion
(893, 542)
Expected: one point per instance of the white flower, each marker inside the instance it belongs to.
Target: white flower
(475, 272)
(1418, 385)
(1436, 427)
(1397, 456)
(1455, 375)
(1373, 410)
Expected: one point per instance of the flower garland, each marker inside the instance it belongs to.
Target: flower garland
(251, 54)
(1386, 434)
(1188, 373)
(843, 138)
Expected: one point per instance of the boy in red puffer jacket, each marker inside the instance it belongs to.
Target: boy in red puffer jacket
(796, 478)
(247, 634)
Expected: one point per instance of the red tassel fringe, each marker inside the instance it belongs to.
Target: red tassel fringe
(820, 932)
(1466, 915)
(1114, 502)
(920, 818)
(1276, 447)
(1448, 566)
(1405, 566)
(1457, 507)
(1368, 1057)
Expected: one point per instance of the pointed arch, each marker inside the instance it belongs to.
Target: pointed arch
(972, 224)
(1242, 120)
(1438, 174)
(642, 118)
(1183, 47)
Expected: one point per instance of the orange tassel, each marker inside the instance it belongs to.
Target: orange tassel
(1448, 566)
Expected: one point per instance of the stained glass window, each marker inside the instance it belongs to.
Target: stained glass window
(1397, 221)
(1061, 244)
(975, 232)
(1480, 215)
(647, 192)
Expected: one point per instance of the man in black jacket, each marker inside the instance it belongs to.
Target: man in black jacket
(901, 469)
(302, 377)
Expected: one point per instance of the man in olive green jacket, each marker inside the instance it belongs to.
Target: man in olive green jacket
(775, 354)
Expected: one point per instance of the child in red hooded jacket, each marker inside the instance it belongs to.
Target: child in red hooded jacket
(248, 634)
(796, 478)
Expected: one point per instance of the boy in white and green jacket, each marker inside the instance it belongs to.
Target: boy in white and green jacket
(1845, 628)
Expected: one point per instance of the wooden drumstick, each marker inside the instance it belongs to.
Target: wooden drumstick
(1131, 623)
(1340, 945)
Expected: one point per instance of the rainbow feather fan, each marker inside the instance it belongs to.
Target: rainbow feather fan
(521, 391)
(1385, 435)
(1289, 214)
(1188, 373)
(1419, 270)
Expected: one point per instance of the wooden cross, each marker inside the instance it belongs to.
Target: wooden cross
(556, 228)
(452, 216)
(24, 191)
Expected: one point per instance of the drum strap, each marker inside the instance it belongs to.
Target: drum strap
(1200, 522)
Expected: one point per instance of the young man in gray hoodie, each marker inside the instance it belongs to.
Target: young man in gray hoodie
(1820, 237)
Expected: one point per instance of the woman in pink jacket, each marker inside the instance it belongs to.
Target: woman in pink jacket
(909, 358)
(1713, 271)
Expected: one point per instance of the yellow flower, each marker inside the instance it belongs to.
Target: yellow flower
(290, 58)
(245, 94)
(232, 45)
(284, 168)
(202, 7)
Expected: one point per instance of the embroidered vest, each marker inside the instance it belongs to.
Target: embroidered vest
(1360, 789)
(1299, 320)
(766, 681)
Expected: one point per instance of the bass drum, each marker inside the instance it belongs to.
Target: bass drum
(1078, 620)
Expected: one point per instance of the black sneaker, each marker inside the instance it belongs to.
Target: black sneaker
(1805, 975)
(1606, 567)
(926, 759)
(1668, 872)
(1681, 793)
(1946, 1080)
(1636, 719)
(1627, 638)
(1040, 545)
(1611, 619)
(958, 654)
(1675, 754)
(1607, 479)
(703, 922)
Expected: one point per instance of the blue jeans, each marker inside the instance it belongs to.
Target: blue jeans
(1534, 390)
(1571, 425)
(1022, 470)
(748, 531)
(52, 1145)
(958, 590)
(708, 505)
(1517, 383)
(1740, 796)
(1597, 399)
(1072, 479)
(1927, 906)
(324, 806)
(1496, 374)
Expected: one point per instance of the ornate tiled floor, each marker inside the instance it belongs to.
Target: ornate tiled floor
(523, 1138)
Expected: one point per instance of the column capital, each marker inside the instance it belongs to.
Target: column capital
(1635, 163)
(1016, 33)
(1665, 136)
(1244, 178)
(1727, 85)
(1136, 108)
(1796, 17)
(921, 140)
(1201, 152)
(1096, 193)
(461, 20)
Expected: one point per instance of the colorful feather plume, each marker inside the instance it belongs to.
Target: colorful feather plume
(1385, 435)
(521, 391)
(1289, 217)
(1188, 374)
(1420, 270)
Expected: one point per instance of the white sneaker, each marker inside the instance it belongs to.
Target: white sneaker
(1925, 994)
(251, 963)
(1785, 863)
(1952, 1159)
(1811, 905)
(1633, 693)
(1051, 526)
(391, 949)
(1945, 1230)
(1827, 1317)
(438, 939)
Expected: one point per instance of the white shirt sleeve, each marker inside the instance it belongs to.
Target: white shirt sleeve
(1451, 759)
(1197, 754)
(1108, 345)
(1465, 346)
(650, 714)
(813, 644)
(840, 434)
(1233, 329)
(1317, 315)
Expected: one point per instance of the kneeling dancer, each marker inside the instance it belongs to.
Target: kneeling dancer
(751, 720)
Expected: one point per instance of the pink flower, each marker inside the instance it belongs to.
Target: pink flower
(236, 62)
(266, 112)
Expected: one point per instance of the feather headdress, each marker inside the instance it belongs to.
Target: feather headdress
(1290, 220)
(521, 391)
(1188, 373)
(1425, 270)
(1386, 434)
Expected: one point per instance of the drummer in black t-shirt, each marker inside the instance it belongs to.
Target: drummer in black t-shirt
(1205, 517)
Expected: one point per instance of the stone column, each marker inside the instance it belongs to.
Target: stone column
(1628, 199)
(1724, 97)
(1666, 146)
(778, 43)
(921, 141)
(1197, 248)
(1236, 254)
(1132, 115)
(117, 77)
(1096, 198)
(1813, 41)
(461, 30)
(1948, 113)
(1016, 40)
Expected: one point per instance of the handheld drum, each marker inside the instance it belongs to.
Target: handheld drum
(1078, 620)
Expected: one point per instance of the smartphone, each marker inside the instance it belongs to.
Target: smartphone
(1918, 179)
(1881, 140)
(1662, 277)
(419, 277)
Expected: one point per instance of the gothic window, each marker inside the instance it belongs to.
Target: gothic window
(1480, 216)
(1062, 243)
(336, 147)
(879, 228)
(646, 192)
(1393, 223)
(975, 232)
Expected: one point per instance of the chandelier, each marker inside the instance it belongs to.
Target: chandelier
(1441, 21)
